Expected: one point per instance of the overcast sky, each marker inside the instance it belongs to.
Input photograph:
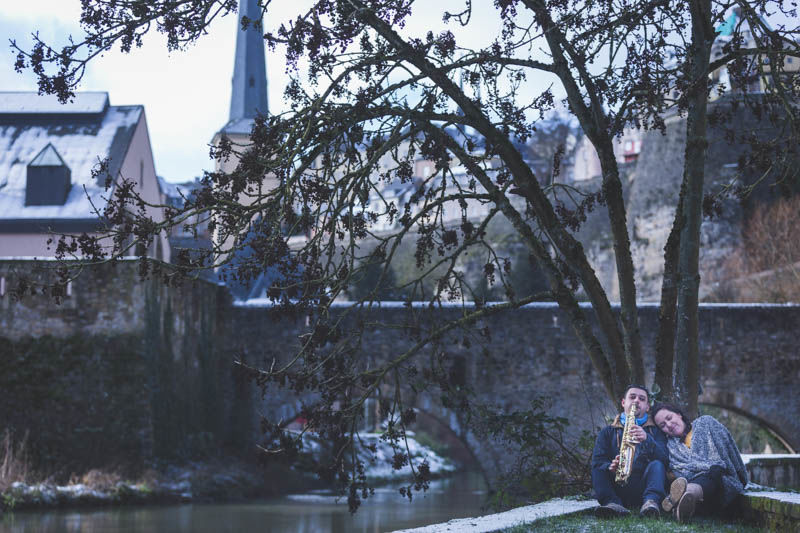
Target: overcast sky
(186, 94)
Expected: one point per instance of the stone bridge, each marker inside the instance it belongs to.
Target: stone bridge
(750, 364)
(162, 355)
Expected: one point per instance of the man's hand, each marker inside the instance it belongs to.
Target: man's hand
(638, 435)
(614, 465)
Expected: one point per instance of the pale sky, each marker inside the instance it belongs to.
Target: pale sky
(186, 94)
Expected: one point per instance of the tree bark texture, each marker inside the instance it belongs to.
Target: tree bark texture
(686, 334)
(665, 339)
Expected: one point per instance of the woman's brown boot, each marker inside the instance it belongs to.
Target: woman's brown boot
(688, 502)
(676, 491)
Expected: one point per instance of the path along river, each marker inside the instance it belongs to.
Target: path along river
(457, 496)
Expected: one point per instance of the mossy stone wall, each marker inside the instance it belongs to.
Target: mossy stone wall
(122, 371)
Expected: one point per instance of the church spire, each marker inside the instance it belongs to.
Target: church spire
(249, 86)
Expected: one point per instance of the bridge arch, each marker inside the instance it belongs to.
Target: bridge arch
(773, 431)
(770, 406)
(441, 423)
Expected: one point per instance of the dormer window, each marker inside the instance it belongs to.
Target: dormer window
(49, 179)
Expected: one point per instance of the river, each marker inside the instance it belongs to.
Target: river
(455, 497)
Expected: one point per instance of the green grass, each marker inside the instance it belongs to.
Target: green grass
(632, 524)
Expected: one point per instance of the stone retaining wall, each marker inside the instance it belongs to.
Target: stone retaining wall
(779, 470)
(123, 370)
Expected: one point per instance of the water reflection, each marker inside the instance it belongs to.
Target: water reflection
(455, 497)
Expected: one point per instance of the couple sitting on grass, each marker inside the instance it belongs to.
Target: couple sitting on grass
(700, 454)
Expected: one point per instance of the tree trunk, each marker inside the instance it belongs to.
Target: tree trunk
(612, 187)
(686, 335)
(665, 339)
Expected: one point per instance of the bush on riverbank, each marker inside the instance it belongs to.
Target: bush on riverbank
(228, 479)
(551, 466)
(14, 463)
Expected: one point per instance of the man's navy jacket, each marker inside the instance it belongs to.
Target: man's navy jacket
(606, 447)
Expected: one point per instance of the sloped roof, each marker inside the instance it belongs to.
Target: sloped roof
(81, 139)
(240, 126)
(34, 103)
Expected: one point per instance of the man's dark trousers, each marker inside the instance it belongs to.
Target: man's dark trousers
(641, 486)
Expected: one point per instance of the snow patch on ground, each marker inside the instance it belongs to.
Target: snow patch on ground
(379, 464)
(788, 497)
(747, 457)
(508, 519)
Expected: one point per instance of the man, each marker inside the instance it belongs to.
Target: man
(645, 486)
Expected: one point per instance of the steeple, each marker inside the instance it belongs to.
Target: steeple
(249, 86)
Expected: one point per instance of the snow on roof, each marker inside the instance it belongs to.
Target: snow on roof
(80, 140)
(17, 103)
(238, 126)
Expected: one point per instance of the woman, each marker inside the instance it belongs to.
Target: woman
(705, 458)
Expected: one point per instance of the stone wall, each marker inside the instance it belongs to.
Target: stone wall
(121, 371)
(779, 471)
(126, 369)
(749, 357)
(651, 186)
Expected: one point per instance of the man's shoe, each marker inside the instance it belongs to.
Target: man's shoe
(649, 509)
(611, 510)
(676, 491)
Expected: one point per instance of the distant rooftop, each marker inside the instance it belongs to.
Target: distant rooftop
(31, 103)
(42, 132)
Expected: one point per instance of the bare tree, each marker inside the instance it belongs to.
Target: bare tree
(766, 267)
(377, 98)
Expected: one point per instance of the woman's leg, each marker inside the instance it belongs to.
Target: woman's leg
(702, 495)
(711, 483)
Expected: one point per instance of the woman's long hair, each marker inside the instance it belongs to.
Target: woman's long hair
(675, 409)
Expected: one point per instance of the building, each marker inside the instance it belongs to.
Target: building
(194, 233)
(760, 77)
(248, 86)
(248, 101)
(48, 152)
(587, 163)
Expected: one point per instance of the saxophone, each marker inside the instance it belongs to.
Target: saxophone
(627, 448)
